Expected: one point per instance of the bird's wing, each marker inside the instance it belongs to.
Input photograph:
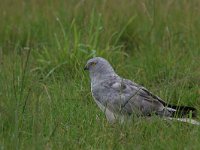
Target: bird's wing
(127, 97)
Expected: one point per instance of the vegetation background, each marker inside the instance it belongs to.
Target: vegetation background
(45, 99)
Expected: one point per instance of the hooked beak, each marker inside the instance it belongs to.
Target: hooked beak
(86, 67)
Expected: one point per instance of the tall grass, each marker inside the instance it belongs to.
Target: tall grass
(45, 100)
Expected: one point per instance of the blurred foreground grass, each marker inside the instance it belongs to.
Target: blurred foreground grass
(45, 100)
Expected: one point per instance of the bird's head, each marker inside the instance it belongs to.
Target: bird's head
(98, 66)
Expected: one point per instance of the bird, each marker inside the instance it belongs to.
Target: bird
(120, 98)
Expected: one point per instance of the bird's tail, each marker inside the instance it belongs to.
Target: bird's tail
(182, 114)
(182, 111)
(186, 120)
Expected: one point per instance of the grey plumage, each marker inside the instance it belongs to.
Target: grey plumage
(119, 98)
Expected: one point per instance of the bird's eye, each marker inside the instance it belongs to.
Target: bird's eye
(93, 63)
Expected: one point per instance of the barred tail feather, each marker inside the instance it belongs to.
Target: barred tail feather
(186, 120)
(183, 114)
(182, 111)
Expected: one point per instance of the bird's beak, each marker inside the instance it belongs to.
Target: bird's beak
(86, 67)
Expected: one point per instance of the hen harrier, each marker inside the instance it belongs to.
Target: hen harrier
(120, 98)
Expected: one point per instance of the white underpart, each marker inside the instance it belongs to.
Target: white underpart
(109, 115)
(186, 120)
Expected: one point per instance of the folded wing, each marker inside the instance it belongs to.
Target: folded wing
(129, 98)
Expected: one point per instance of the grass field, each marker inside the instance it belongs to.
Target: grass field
(45, 99)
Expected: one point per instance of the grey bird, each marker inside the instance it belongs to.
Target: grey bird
(121, 98)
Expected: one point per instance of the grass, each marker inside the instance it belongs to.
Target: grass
(45, 99)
